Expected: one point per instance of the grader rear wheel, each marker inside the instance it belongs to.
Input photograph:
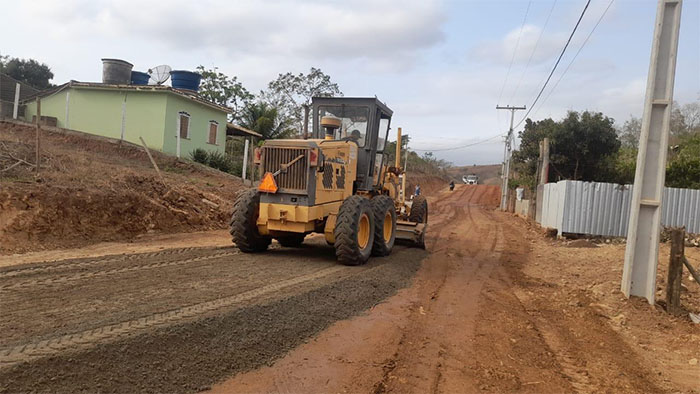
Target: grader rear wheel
(244, 229)
(384, 225)
(354, 231)
(419, 210)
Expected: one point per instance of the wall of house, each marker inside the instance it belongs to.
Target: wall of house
(100, 112)
(54, 105)
(200, 116)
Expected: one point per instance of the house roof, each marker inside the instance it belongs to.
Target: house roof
(234, 129)
(141, 88)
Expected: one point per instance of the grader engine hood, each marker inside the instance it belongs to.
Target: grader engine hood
(306, 172)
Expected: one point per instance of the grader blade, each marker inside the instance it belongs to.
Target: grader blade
(411, 233)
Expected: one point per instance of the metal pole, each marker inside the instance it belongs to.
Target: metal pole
(506, 155)
(306, 121)
(398, 149)
(641, 254)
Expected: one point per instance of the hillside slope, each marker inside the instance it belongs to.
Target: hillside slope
(92, 189)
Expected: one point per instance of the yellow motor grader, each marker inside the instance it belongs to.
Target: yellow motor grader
(337, 183)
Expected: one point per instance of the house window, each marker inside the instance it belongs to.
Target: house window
(213, 131)
(184, 125)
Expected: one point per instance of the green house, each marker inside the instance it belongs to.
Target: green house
(174, 121)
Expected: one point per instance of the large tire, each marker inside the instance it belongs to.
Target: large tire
(354, 231)
(419, 214)
(244, 229)
(419, 210)
(292, 240)
(384, 225)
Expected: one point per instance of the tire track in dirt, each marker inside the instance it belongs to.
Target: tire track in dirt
(63, 279)
(48, 266)
(88, 338)
(426, 360)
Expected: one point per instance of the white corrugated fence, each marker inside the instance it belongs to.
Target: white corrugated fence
(597, 208)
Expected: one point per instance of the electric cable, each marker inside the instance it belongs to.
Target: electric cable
(527, 66)
(517, 44)
(575, 56)
(571, 36)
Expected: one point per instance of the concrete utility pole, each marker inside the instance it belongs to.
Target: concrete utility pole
(641, 254)
(15, 108)
(506, 155)
(544, 170)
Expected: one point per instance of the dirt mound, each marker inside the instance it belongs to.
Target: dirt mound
(92, 189)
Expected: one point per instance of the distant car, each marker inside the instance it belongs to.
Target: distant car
(470, 179)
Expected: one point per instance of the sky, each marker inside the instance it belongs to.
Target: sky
(442, 66)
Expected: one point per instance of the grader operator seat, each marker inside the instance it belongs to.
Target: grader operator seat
(364, 121)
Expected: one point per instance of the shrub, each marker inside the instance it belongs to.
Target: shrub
(200, 156)
(220, 161)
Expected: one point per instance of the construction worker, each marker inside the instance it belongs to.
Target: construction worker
(417, 192)
(452, 185)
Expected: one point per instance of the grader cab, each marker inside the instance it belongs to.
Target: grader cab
(338, 183)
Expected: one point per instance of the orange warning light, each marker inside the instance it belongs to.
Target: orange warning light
(268, 184)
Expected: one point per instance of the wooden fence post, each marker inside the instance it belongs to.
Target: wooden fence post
(675, 271)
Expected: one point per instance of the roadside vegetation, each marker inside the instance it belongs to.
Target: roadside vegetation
(587, 146)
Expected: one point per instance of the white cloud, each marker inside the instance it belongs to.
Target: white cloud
(380, 33)
(502, 51)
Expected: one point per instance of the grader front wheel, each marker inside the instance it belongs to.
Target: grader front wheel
(244, 229)
(354, 231)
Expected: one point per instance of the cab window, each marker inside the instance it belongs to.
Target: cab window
(354, 121)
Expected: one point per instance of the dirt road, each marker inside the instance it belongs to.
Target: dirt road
(465, 319)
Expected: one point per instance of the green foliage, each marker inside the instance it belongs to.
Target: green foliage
(265, 119)
(28, 71)
(224, 90)
(426, 164)
(623, 166)
(629, 134)
(220, 161)
(581, 147)
(200, 156)
(289, 93)
(683, 169)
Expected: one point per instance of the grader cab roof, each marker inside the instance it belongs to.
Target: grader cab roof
(367, 101)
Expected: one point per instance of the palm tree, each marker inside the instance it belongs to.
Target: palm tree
(264, 119)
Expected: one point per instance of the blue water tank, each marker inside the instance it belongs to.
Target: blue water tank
(139, 78)
(181, 79)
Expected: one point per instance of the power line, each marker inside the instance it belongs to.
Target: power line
(461, 146)
(527, 66)
(517, 43)
(575, 56)
(557, 63)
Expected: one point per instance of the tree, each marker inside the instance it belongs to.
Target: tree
(526, 157)
(28, 71)
(581, 147)
(630, 132)
(264, 119)
(289, 93)
(683, 169)
(224, 90)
